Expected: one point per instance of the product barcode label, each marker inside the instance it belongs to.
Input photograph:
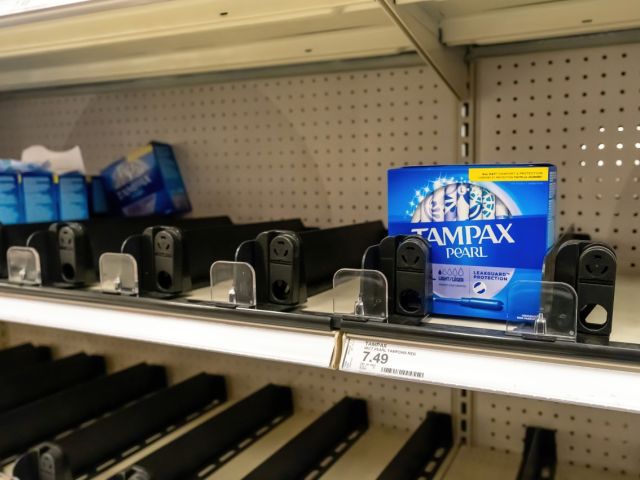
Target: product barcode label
(382, 358)
(404, 373)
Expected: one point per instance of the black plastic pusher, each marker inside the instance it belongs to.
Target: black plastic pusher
(70, 251)
(291, 266)
(405, 261)
(590, 268)
(173, 260)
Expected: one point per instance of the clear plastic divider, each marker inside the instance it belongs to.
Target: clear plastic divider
(23, 266)
(360, 294)
(233, 284)
(119, 274)
(542, 310)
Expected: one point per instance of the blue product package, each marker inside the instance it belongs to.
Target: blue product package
(39, 196)
(27, 193)
(99, 202)
(489, 226)
(72, 195)
(147, 182)
(11, 211)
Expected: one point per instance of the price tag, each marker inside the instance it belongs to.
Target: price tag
(381, 358)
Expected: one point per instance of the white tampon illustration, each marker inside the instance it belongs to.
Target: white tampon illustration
(422, 212)
(425, 208)
(462, 206)
(450, 202)
(501, 209)
(475, 203)
(437, 205)
(488, 205)
(416, 217)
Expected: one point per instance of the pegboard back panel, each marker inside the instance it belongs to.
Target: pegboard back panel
(578, 109)
(315, 146)
(391, 403)
(602, 440)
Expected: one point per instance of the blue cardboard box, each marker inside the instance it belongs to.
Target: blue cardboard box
(27, 193)
(72, 195)
(11, 211)
(100, 204)
(147, 182)
(39, 196)
(489, 227)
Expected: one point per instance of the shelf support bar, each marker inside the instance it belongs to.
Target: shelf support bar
(423, 31)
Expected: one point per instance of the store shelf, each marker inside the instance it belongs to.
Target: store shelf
(477, 355)
(549, 371)
(83, 44)
(500, 21)
(190, 36)
(182, 325)
(623, 345)
(439, 30)
(544, 377)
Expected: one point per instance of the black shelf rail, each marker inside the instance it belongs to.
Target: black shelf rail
(20, 356)
(45, 378)
(318, 446)
(89, 450)
(422, 455)
(208, 446)
(539, 457)
(42, 419)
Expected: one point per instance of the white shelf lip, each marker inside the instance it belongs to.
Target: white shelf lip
(538, 21)
(177, 37)
(599, 387)
(259, 341)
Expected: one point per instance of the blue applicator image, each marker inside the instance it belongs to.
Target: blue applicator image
(477, 303)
